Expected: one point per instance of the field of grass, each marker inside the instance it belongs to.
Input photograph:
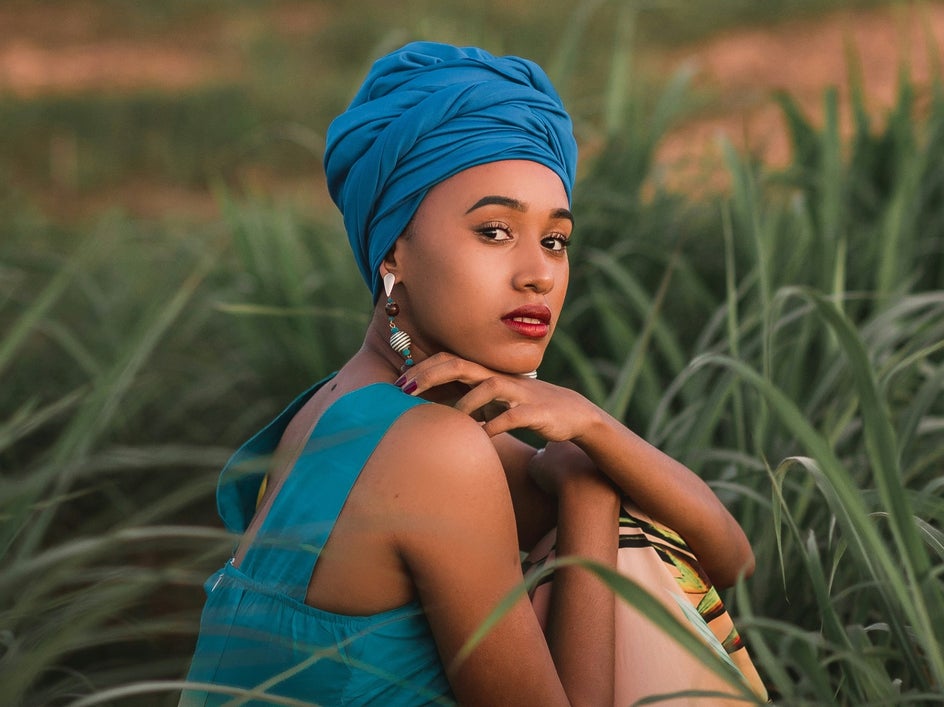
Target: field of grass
(784, 338)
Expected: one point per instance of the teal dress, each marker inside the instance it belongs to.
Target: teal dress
(256, 631)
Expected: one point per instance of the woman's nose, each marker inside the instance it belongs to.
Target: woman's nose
(533, 271)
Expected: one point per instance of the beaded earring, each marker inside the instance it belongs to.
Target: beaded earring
(399, 340)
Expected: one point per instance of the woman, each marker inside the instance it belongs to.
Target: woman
(383, 511)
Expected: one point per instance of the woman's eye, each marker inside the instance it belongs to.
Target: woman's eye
(556, 243)
(495, 232)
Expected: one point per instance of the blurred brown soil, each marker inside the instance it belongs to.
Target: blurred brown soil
(82, 46)
(736, 71)
(741, 70)
(72, 48)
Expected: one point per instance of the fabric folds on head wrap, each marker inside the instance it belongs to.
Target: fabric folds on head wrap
(424, 113)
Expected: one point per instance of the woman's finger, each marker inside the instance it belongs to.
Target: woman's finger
(440, 369)
(490, 390)
(437, 370)
(508, 401)
(518, 418)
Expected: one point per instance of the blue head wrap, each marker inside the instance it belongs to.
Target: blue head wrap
(424, 113)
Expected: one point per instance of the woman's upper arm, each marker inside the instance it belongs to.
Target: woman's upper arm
(535, 511)
(461, 549)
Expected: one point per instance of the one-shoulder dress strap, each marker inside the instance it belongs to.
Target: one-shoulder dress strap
(237, 490)
(303, 514)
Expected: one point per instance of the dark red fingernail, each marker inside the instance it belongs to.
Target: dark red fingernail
(399, 381)
(409, 387)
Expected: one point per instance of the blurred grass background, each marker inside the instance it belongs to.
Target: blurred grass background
(171, 272)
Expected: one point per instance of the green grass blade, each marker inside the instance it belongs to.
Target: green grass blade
(629, 591)
(842, 494)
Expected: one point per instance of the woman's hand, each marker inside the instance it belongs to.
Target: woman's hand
(509, 401)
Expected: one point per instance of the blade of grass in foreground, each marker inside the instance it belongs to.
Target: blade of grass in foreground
(618, 400)
(33, 316)
(880, 439)
(844, 498)
(641, 599)
(160, 687)
(912, 605)
(590, 381)
(103, 401)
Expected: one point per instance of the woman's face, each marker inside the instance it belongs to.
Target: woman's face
(484, 269)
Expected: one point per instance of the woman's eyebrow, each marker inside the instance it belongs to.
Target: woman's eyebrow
(498, 201)
(510, 203)
(563, 214)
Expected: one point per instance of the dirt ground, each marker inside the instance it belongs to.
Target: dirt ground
(735, 71)
(741, 70)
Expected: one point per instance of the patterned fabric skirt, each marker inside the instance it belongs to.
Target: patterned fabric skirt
(648, 661)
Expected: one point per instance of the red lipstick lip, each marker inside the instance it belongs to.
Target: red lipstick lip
(532, 321)
(531, 311)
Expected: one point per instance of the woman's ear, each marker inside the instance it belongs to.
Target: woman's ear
(390, 263)
(393, 260)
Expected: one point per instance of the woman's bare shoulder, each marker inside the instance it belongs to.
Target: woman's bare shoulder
(434, 456)
(433, 433)
(454, 529)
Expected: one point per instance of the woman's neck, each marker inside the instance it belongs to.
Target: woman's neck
(376, 361)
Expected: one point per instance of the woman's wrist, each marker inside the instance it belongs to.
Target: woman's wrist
(595, 423)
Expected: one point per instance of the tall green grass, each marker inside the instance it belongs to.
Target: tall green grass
(797, 384)
(93, 500)
(784, 340)
(134, 359)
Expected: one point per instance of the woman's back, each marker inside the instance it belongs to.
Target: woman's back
(257, 630)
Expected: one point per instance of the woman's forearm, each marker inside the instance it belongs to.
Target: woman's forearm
(581, 632)
(661, 486)
(672, 493)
